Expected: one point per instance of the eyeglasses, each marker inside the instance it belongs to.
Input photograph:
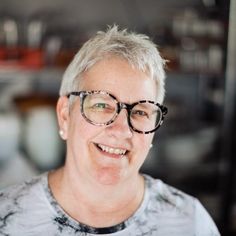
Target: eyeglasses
(102, 108)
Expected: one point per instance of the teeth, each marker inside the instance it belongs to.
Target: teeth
(110, 150)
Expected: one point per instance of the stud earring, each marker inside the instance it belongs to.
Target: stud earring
(150, 146)
(61, 132)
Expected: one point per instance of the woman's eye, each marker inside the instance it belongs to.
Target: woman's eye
(104, 107)
(100, 105)
(140, 113)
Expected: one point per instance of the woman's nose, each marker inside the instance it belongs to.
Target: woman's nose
(120, 126)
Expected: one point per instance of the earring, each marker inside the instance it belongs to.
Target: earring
(150, 146)
(61, 132)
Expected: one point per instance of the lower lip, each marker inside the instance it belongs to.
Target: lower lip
(115, 156)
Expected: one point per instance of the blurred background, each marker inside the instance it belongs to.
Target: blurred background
(195, 148)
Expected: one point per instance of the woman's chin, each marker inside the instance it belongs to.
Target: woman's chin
(109, 176)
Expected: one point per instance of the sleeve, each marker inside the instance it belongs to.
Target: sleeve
(204, 225)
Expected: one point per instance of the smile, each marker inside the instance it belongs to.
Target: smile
(110, 150)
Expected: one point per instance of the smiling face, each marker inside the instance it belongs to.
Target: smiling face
(107, 154)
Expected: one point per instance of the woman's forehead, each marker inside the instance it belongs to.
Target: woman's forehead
(119, 78)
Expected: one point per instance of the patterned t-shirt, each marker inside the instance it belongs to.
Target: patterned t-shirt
(31, 209)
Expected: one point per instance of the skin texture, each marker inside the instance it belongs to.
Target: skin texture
(95, 187)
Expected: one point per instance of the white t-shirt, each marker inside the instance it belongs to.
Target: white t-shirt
(31, 209)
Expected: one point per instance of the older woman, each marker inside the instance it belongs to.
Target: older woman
(110, 105)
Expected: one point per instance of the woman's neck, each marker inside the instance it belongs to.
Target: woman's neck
(93, 204)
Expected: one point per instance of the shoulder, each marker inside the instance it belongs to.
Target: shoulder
(25, 209)
(203, 221)
(175, 203)
(22, 188)
(169, 196)
(17, 198)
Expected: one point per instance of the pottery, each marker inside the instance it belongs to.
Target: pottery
(188, 150)
(10, 130)
(41, 139)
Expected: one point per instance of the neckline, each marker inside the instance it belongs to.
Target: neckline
(64, 219)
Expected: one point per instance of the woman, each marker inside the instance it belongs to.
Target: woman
(109, 107)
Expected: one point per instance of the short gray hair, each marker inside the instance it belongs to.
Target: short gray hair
(137, 49)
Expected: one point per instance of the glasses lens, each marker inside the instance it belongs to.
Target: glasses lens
(99, 108)
(145, 116)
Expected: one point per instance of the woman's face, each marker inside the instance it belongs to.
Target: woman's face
(84, 140)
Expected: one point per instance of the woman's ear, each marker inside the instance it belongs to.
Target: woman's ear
(63, 116)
